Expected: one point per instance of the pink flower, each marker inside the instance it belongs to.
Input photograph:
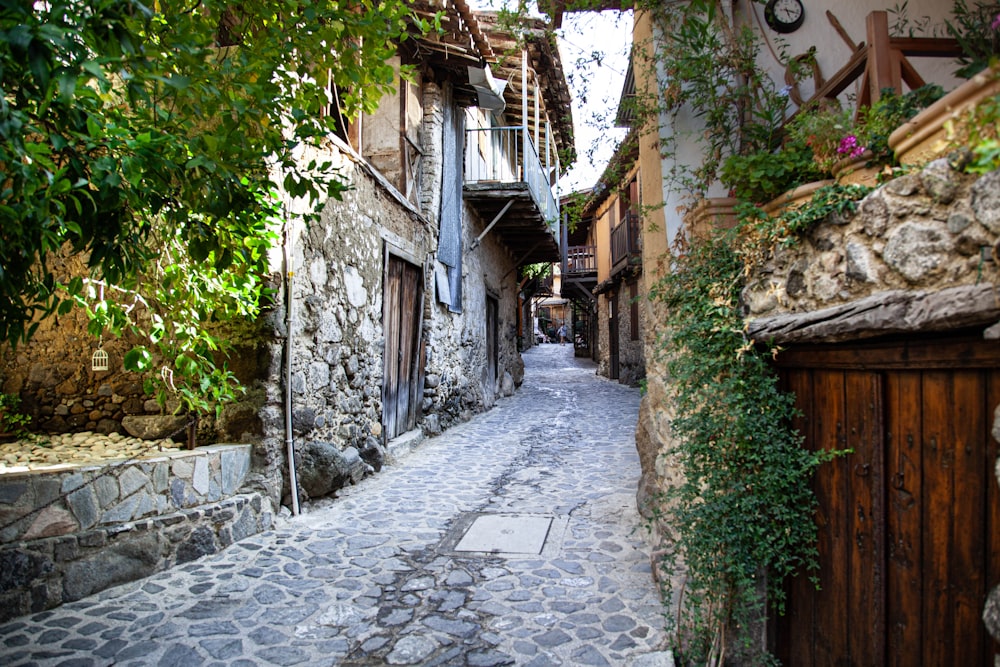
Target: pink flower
(849, 146)
(996, 23)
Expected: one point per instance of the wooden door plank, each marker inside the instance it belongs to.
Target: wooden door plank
(417, 374)
(938, 495)
(967, 558)
(832, 638)
(796, 631)
(802, 599)
(406, 357)
(991, 648)
(390, 326)
(904, 561)
(863, 519)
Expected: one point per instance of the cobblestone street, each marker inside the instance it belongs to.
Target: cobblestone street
(381, 575)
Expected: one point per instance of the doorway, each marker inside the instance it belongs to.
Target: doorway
(909, 522)
(403, 358)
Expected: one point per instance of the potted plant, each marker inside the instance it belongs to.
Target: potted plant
(977, 31)
(942, 126)
(762, 176)
(13, 424)
(856, 150)
(823, 127)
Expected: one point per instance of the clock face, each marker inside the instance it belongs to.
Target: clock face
(784, 15)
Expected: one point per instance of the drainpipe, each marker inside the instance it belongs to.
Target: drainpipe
(289, 302)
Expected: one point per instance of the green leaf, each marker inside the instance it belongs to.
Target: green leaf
(137, 360)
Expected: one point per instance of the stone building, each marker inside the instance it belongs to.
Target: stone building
(886, 318)
(397, 313)
(603, 268)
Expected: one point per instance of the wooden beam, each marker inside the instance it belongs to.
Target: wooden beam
(881, 70)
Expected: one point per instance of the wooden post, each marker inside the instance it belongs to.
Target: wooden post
(883, 62)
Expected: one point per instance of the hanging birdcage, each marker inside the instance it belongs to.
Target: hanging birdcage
(99, 362)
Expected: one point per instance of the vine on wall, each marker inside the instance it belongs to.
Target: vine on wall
(740, 520)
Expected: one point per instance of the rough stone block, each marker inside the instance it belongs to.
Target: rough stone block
(12, 490)
(131, 480)
(50, 522)
(200, 543)
(122, 512)
(153, 427)
(199, 480)
(84, 505)
(122, 562)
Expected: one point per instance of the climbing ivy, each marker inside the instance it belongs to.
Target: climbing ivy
(740, 519)
(151, 140)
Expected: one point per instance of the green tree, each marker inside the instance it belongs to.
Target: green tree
(151, 141)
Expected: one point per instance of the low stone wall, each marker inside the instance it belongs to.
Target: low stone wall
(72, 531)
(41, 574)
(921, 254)
(70, 499)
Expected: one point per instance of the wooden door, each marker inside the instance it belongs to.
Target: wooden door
(909, 523)
(613, 341)
(402, 362)
(492, 347)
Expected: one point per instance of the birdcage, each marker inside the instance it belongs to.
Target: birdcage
(99, 362)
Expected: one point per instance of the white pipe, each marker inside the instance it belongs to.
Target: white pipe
(289, 442)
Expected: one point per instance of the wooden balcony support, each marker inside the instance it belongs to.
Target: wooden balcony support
(581, 259)
(882, 62)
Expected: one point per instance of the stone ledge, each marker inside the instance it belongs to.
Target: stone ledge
(41, 574)
(891, 312)
(36, 504)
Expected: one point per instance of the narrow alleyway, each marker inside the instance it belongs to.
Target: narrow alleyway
(512, 539)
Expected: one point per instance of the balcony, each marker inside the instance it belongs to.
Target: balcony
(581, 260)
(626, 244)
(507, 183)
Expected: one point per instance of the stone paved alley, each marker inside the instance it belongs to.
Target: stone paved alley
(388, 574)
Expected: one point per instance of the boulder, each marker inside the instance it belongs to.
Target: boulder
(323, 468)
(155, 427)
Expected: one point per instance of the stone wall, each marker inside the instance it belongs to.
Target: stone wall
(337, 333)
(336, 265)
(631, 352)
(71, 531)
(336, 330)
(920, 254)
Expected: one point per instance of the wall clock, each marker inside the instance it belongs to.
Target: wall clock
(784, 15)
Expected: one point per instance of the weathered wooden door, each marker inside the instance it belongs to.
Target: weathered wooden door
(492, 347)
(402, 308)
(909, 523)
(613, 340)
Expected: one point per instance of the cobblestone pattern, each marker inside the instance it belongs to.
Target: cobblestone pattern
(364, 579)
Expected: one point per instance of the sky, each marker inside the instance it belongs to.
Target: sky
(594, 48)
(594, 51)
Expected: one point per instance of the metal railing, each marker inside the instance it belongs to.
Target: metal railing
(507, 155)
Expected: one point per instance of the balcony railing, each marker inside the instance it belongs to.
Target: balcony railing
(581, 259)
(507, 155)
(625, 242)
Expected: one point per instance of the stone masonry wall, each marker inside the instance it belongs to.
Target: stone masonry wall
(337, 335)
(70, 531)
(631, 353)
(920, 254)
